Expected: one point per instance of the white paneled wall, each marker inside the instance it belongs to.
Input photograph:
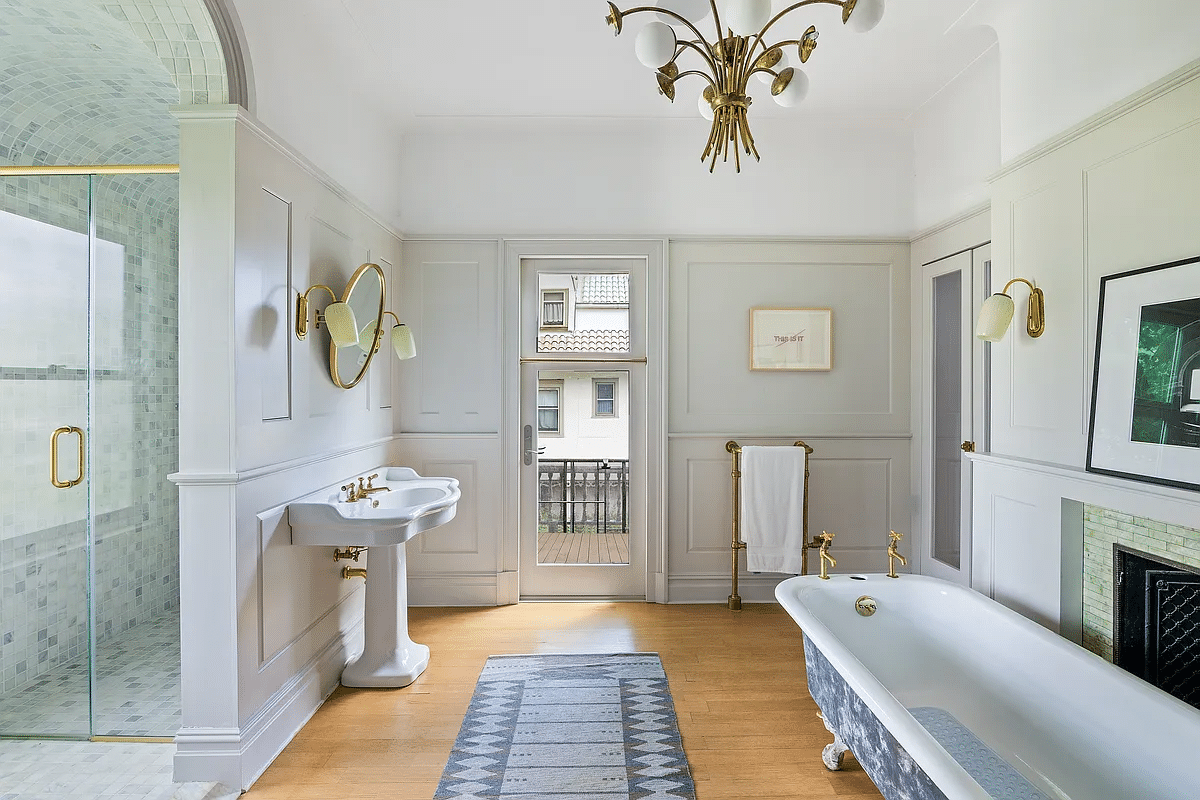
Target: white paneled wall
(266, 626)
(1114, 195)
(855, 416)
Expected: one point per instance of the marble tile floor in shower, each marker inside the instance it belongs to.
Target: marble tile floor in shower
(53, 770)
(137, 693)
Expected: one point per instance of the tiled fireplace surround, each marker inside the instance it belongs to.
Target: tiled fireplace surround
(1102, 528)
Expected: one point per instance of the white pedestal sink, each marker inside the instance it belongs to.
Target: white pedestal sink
(384, 521)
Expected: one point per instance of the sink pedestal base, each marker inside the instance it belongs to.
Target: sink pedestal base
(389, 658)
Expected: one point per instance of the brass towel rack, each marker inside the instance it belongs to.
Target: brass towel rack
(732, 447)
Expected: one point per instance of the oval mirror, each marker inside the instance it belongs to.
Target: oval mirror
(366, 295)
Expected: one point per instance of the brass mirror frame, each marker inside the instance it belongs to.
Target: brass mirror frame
(333, 348)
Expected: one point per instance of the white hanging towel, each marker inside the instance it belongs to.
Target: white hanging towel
(772, 508)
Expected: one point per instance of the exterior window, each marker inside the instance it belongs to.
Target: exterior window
(605, 393)
(549, 409)
(554, 309)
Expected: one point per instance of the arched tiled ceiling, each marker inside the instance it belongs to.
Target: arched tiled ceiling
(182, 35)
(85, 82)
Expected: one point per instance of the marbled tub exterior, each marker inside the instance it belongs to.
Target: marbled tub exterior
(888, 764)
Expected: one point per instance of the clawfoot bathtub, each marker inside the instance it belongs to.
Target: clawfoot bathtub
(940, 692)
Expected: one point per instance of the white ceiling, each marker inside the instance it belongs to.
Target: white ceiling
(419, 61)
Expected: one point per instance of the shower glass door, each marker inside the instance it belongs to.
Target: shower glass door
(89, 634)
(44, 485)
(134, 438)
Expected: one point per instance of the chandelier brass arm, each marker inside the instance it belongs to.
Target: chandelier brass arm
(847, 8)
(731, 59)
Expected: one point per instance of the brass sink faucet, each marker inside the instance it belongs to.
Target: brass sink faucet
(826, 559)
(361, 492)
(893, 554)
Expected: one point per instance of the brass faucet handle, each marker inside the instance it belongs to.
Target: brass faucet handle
(371, 480)
(349, 490)
(895, 537)
(827, 539)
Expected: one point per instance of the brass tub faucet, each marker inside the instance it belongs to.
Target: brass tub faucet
(893, 554)
(826, 559)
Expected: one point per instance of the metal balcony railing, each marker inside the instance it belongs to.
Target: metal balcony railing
(581, 496)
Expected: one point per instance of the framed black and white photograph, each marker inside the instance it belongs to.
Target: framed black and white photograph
(1145, 420)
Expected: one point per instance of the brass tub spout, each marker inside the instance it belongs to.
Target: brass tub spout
(826, 559)
(893, 554)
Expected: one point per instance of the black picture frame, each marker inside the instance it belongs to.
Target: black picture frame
(1144, 423)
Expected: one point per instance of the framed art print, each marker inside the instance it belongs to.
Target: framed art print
(791, 339)
(1145, 417)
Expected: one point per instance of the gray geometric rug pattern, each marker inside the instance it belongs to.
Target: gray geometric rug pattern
(569, 727)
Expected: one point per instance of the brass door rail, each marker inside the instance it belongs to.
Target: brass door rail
(732, 447)
(88, 169)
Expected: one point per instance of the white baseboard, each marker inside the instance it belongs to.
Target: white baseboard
(455, 589)
(237, 757)
(716, 588)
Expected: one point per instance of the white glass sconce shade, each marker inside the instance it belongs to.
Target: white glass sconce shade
(402, 342)
(794, 92)
(747, 17)
(865, 16)
(705, 107)
(655, 45)
(995, 317)
(691, 10)
(343, 328)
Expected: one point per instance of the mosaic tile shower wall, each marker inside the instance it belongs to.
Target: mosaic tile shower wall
(1102, 528)
(134, 412)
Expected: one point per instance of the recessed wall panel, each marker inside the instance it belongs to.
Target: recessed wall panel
(286, 611)
(1051, 366)
(330, 262)
(720, 296)
(709, 521)
(461, 534)
(452, 343)
(273, 320)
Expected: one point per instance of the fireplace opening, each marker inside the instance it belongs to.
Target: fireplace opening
(1156, 622)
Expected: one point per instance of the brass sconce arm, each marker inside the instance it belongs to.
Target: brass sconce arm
(302, 309)
(997, 312)
(1035, 324)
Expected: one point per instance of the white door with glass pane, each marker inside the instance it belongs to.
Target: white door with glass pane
(583, 432)
(954, 408)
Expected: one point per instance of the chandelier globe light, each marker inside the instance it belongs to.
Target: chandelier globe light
(739, 50)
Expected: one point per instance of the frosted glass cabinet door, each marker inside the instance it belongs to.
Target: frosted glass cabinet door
(44, 483)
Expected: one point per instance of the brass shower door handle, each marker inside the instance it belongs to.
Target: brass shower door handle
(60, 484)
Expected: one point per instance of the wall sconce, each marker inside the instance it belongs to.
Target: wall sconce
(997, 312)
(402, 338)
(337, 316)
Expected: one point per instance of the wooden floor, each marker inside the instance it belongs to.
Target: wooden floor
(583, 548)
(749, 727)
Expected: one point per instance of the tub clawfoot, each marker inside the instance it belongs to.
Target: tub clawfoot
(835, 752)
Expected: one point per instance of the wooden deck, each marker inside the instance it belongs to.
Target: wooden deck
(583, 548)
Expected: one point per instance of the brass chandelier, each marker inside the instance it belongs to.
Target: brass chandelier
(739, 51)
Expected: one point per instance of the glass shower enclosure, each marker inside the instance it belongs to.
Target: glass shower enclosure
(89, 532)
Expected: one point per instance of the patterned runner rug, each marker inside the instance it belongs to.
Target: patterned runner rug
(569, 727)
